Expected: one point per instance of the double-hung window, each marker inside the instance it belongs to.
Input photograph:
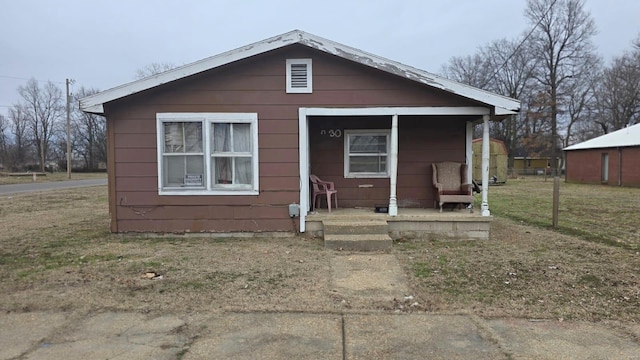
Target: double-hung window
(366, 153)
(207, 153)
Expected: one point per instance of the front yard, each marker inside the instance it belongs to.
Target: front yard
(56, 254)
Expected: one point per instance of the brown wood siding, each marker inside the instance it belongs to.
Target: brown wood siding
(111, 175)
(258, 85)
(421, 142)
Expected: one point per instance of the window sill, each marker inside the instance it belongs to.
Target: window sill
(367, 176)
(300, 91)
(208, 192)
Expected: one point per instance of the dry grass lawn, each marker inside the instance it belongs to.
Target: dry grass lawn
(56, 254)
(607, 214)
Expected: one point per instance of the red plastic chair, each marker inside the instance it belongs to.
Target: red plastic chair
(323, 188)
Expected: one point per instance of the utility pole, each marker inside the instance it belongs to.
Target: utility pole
(69, 165)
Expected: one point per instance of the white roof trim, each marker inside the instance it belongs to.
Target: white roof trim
(503, 105)
(389, 111)
(629, 136)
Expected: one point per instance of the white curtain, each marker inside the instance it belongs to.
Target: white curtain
(222, 144)
(242, 144)
(232, 153)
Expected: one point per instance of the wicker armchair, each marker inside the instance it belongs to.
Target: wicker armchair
(451, 183)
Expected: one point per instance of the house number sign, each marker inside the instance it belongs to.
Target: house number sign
(332, 132)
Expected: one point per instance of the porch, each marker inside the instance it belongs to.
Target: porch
(403, 172)
(410, 223)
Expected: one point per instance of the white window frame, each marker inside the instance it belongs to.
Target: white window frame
(207, 120)
(300, 90)
(374, 132)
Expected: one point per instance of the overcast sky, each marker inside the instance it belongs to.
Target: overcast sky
(100, 44)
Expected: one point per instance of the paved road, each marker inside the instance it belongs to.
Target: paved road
(53, 185)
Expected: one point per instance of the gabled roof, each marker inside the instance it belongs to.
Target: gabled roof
(503, 105)
(629, 136)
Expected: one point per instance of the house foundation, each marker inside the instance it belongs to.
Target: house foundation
(418, 224)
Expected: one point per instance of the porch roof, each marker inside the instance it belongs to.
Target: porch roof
(501, 105)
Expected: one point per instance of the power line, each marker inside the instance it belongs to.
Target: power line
(19, 78)
(513, 53)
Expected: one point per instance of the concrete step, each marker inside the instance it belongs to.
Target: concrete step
(355, 227)
(361, 242)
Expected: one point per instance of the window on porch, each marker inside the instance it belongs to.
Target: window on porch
(366, 153)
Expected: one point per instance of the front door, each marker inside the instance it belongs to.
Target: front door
(605, 168)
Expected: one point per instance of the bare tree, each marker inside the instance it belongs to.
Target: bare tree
(514, 67)
(472, 70)
(505, 67)
(43, 107)
(90, 133)
(618, 93)
(561, 40)
(153, 69)
(535, 137)
(581, 102)
(4, 141)
(19, 150)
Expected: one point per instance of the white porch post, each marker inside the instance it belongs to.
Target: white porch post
(393, 167)
(303, 145)
(484, 207)
(469, 153)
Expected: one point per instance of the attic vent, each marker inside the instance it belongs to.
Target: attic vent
(299, 76)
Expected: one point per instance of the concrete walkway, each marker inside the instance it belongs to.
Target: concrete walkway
(51, 185)
(110, 335)
(374, 335)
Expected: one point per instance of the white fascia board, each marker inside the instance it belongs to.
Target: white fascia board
(389, 111)
(94, 109)
(502, 111)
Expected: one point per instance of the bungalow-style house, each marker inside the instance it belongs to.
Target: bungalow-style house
(612, 159)
(227, 144)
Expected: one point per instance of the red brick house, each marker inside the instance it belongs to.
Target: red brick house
(612, 159)
(227, 143)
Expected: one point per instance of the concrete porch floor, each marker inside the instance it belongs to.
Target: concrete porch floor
(411, 223)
